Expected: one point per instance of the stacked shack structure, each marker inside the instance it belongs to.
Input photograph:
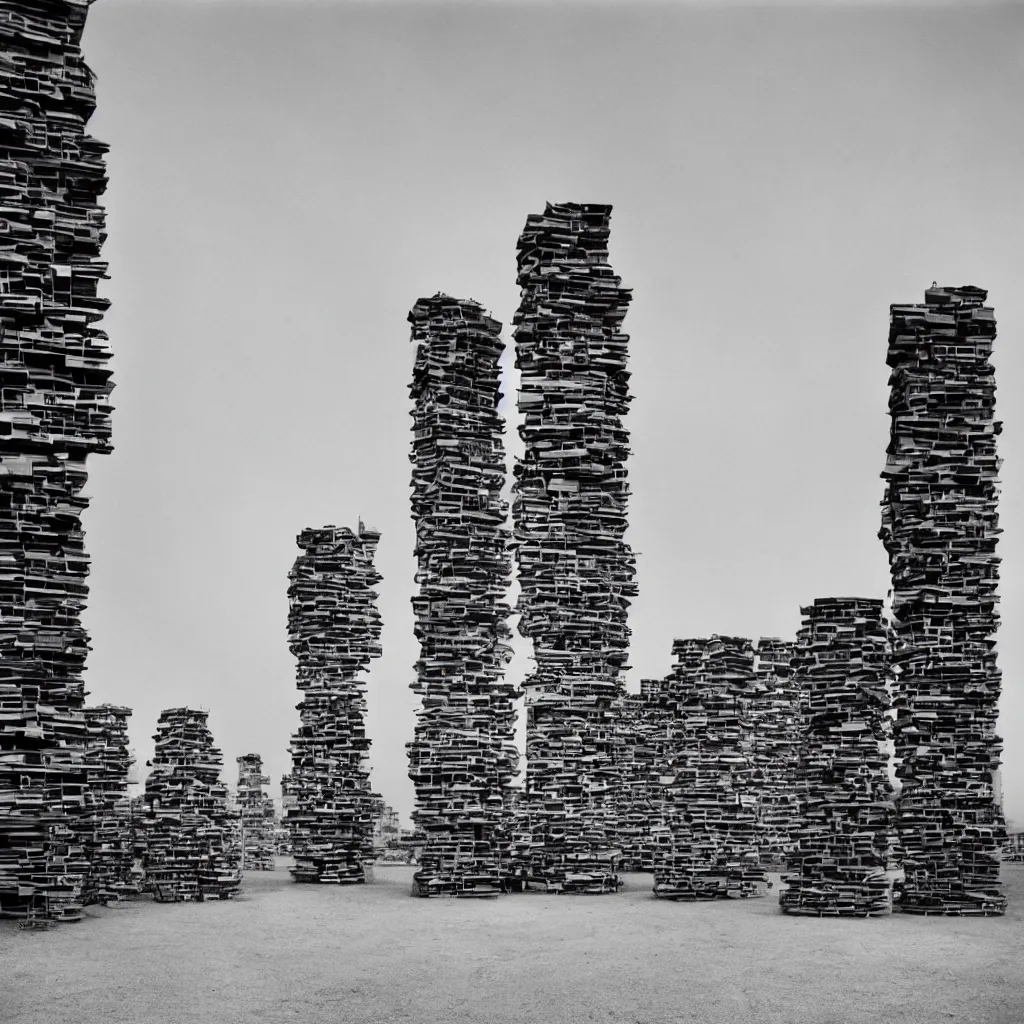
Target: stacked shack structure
(775, 712)
(569, 515)
(187, 822)
(843, 847)
(642, 736)
(334, 631)
(54, 413)
(463, 758)
(712, 782)
(107, 830)
(940, 525)
(255, 815)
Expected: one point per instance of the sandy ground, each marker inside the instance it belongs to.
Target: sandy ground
(362, 954)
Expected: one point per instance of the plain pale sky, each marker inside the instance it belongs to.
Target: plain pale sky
(286, 180)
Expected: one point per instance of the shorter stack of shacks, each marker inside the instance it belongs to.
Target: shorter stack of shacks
(43, 795)
(777, 734)
(657, 696)
(642, 731)
(842, 666)
(570, 741)
(712, 783)
(107, 828)
(255, 815)
(187, 821)
(334, 630)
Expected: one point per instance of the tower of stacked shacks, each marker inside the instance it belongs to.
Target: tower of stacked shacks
(672, 694)
(463, 758)
(712, 782)
(54, 412)
(334, 630)
(187, 822)
(569, 513)
(777, 733)
(255, 815)
(842, 668)
(940, 527)
(108, 830)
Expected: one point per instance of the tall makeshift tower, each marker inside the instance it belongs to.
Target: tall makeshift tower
(569, 513)
(334, 630)
(940, 525)
(841, 665)
(463, 758)
(54, 412)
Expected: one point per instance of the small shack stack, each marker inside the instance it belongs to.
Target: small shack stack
(841, 666)
(777, 733)
(255, 815)
(940, 525)
(712, 781)
(569, 515)
(54, 413)
(334, 631)
(187, 821)
(463, 758)
(107, 829)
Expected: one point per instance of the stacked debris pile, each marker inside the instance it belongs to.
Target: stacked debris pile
(463, 757)
(777, 735)
(187, 822)
(940, 525)
(107, 829)
(569, 516)
(334, 630)
(712, 780)
(255, 815)
(642, 733)
(842, 668)
(54, 412)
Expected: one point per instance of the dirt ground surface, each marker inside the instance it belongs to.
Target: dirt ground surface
(371, 953)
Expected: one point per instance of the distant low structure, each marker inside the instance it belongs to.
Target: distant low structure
(386, 833)
(256, 817)
(1014, 849)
